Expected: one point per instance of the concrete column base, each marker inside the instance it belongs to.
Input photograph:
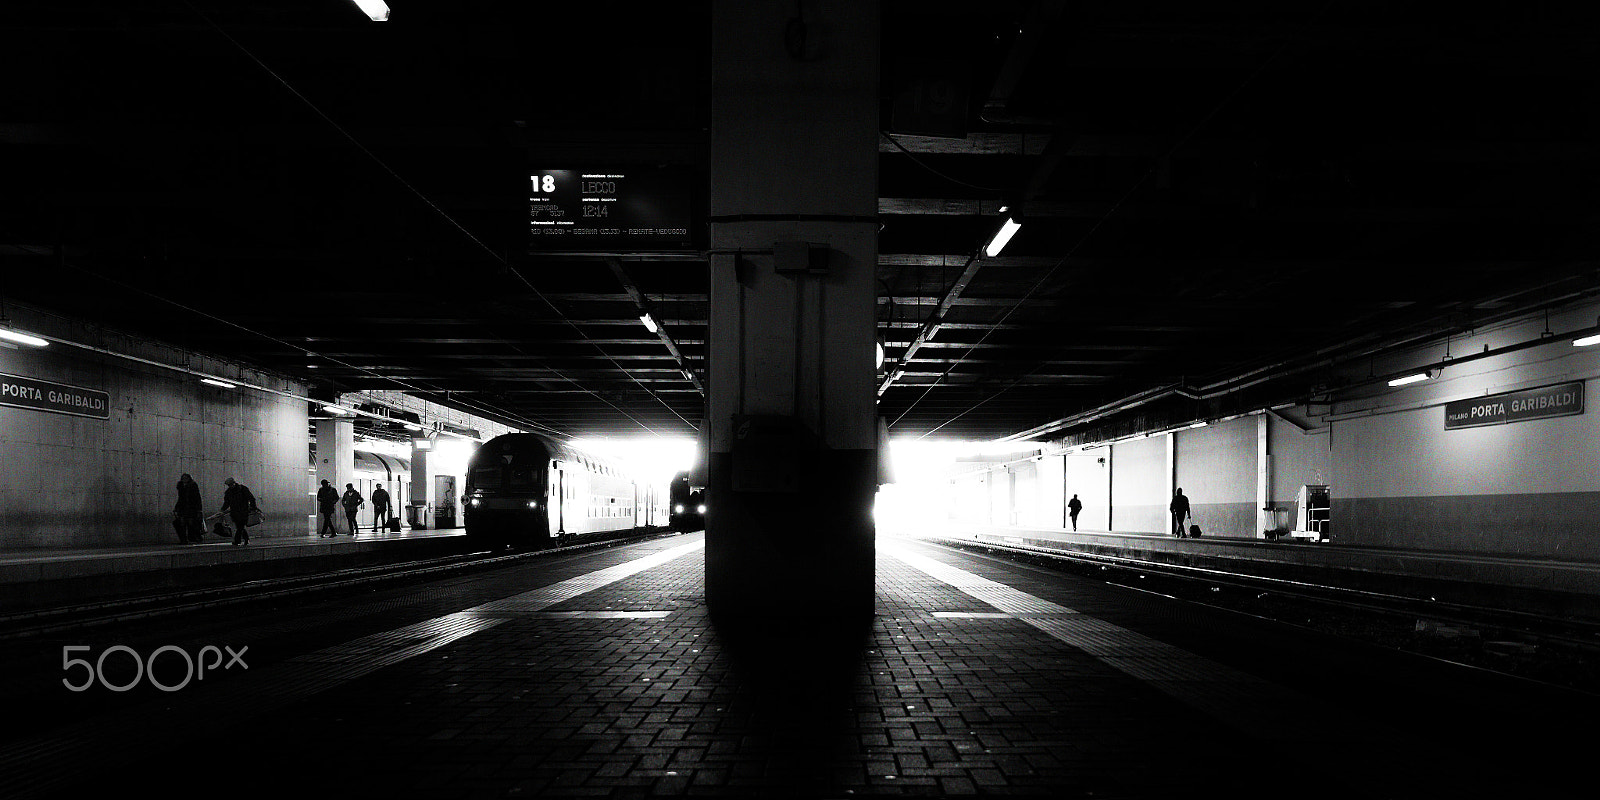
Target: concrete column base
(786, 558)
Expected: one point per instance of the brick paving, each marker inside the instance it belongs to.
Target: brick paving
(942, 696)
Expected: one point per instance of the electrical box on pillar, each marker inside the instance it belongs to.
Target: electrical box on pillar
(802, 258)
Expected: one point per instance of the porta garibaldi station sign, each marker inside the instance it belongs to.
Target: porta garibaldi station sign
(1498, 409)
(58, 398)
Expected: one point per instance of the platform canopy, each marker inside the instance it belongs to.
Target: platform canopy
(1215, 204)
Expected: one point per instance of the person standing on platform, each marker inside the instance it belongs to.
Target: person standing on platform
(237, 503)
(1180, 512)
(351, 500)
(380, 508)
(1074, 506)
(327, 502)
(187, 511)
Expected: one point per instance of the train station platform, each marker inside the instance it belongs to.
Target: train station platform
(1535, 585)
(601, 674)
(50, 577)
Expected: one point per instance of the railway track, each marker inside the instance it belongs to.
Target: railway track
(1552, 650)
(88, 615)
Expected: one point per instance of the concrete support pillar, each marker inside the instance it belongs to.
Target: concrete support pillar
(336, 458)
(336, 452)
(793, 438)
(1263, 475)
(1172, 466)
(421, 487)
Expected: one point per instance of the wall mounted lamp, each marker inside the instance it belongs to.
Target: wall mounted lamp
(22, 338)
(1409, 379)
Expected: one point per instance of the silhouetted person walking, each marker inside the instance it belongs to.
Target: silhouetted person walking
(327, 503)
(1074, 506)
(237, 503)
(380, 508)
(351, 500)
(187, 511)
(1180, 512)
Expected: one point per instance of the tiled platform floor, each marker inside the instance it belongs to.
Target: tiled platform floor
(603, 676)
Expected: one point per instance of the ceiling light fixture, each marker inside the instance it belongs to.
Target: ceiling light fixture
(649, 324)
(1586, 341)
(221, 384)
(1007, 230)
(22, 338)
(376, 10)
(1409, 379)
(333, 409)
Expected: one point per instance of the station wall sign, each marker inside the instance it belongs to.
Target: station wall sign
(56, 398)
(1498, 409)
(609, 209)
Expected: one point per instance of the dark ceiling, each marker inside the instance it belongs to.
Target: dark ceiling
(1221, 202)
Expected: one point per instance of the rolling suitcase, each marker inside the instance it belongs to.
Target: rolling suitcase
(394, 524)
(1194, 531)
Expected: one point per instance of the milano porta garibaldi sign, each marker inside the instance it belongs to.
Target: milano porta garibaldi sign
(1498, 409)
(59, 398)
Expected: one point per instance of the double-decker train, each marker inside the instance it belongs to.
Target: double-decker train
(528, 490)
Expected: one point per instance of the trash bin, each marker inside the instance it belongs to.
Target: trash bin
(417, 516)
(1277, 522)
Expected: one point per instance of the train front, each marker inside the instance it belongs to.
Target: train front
(505, 496)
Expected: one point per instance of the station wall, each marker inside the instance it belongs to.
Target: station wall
(1089, 477)
(1139, 485)
(74, 481)
(1216, 468)
(1397, 476)
(1529, 488)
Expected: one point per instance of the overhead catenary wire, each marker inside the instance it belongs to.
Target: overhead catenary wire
(479, 243)
(919, 162)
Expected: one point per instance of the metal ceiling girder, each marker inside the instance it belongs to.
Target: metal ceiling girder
(661, 331)
(1040, 15)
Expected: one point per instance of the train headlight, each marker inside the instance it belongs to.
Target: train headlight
(677, 509)
(474, 502)
(533, 504)
(700, 510)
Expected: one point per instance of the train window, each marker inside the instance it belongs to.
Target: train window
(522, 476)
(486, 477)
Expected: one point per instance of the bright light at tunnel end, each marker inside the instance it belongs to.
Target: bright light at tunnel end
(376, 10)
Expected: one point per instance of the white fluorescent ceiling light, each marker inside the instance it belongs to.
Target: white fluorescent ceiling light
(376, 10)
(649, 323)
(336, 410)
(1417, 378)
(215, 382)
(998, 243)
(22, 338)
(1586, 341)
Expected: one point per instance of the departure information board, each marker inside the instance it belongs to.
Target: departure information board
(609, 210)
